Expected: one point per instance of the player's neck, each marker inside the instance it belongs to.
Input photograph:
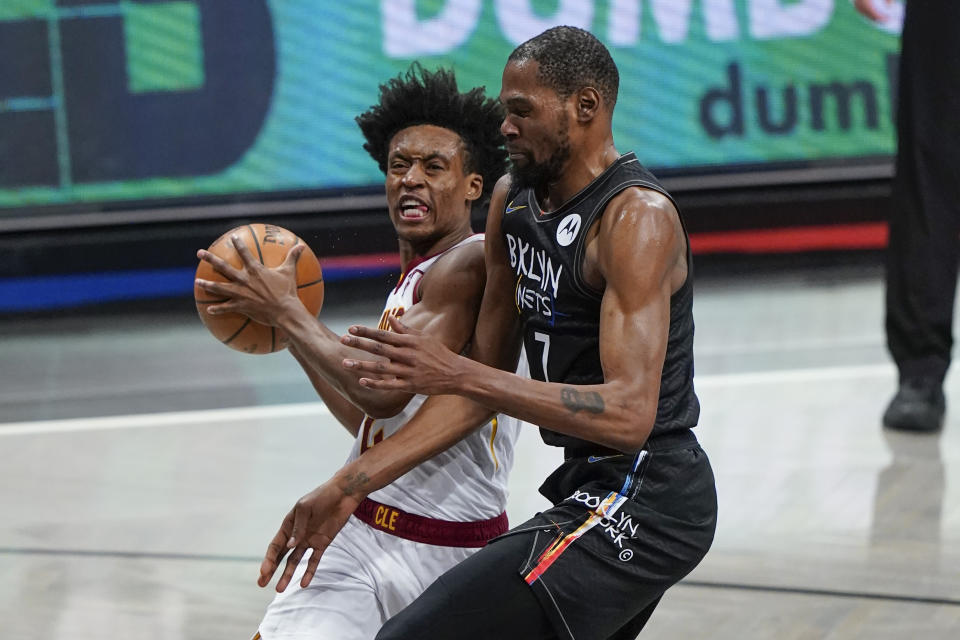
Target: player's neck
(581, 169)
(412, 250)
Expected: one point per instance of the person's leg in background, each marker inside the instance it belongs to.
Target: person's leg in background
(922, 257)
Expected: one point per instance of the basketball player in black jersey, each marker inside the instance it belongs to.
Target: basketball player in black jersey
(588, 265)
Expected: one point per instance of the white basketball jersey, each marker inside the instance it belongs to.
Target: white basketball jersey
(468, 481)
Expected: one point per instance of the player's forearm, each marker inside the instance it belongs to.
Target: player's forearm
(441, 422)
(613, 414)
(320, 349)
(342, 409)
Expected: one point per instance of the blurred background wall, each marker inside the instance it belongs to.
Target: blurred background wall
(133, 132)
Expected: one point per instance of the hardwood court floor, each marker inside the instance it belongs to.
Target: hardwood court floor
(151, 523)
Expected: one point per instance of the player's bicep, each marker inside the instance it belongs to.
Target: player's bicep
(451, 294)
(451, 320)
(633, 336)
(638, 257)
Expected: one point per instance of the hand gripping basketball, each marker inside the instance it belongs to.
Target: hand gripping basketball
(233, 278)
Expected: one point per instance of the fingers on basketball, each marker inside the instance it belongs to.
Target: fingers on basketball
(269, 245)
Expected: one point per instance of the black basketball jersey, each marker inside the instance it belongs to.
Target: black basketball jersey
(561, 312)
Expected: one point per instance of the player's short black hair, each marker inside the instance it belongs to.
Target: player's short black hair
(571, 59)
(419, 96)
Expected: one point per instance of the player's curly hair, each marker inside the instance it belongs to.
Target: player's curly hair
(419, 96)
(570, 59)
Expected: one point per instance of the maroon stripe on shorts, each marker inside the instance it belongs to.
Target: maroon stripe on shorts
(444, 533)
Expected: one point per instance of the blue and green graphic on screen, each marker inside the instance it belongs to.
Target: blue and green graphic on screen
(126, 100)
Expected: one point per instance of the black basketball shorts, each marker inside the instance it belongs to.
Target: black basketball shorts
(624, 528)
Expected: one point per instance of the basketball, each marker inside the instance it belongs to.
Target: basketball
(270, 244)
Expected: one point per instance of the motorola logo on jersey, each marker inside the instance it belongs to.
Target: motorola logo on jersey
(568, 229)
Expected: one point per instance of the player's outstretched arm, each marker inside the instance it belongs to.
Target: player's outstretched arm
(448, 310)
(318, 516)
(639, 255)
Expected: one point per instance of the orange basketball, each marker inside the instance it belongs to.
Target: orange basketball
(269, 244)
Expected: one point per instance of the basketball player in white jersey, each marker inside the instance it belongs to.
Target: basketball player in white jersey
(441, 152)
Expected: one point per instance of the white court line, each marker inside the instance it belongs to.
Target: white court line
(781, 346)
(781, 376)
(305, 409)
(172, 418)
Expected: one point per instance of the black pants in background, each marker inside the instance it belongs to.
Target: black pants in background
(922, 258)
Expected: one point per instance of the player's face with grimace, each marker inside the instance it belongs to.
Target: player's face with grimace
(428, 190)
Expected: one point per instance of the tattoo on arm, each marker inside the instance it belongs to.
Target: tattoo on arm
(591, 401)
(355, 482)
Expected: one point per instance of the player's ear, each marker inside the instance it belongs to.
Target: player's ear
(588, 104)
(474, 186)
